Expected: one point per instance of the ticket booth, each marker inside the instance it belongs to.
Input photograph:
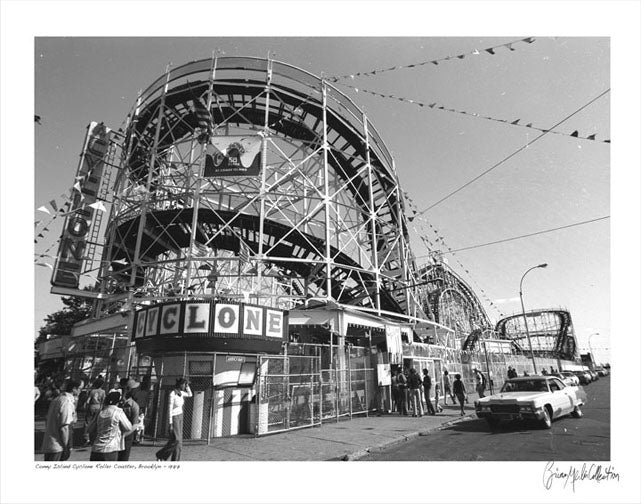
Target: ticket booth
(233, 394)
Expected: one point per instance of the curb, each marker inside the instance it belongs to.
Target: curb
(359, 454)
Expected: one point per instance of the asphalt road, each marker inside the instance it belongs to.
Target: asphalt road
(569, 439)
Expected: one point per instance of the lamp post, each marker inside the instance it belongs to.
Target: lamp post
(590, 345)
(527, 330)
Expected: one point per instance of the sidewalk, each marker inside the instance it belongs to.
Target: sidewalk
(343, 440)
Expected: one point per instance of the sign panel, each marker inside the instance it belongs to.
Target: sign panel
(384, 373)
(232, 156)
(79, 220)
(221, 320)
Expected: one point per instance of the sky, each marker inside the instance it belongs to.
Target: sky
(559, 180)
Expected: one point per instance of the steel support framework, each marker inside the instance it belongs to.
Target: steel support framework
(323, 221)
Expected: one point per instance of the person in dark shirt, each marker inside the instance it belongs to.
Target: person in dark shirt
(458, 388)
(403, 395)
(427, 390)
(414, 383)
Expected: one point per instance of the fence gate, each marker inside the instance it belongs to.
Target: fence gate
(288, 393)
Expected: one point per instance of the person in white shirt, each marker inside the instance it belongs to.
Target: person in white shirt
(177, 396)
(108, 430)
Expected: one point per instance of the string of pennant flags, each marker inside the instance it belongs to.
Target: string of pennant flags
(440, 243)
(489, 50)
(518, 122)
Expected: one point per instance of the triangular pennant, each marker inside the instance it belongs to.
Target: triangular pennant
(98, 206)
(53, 205)
(575, 133)
(528, 125)
(461, 56)
(76, 186)
(509, 46)
(592, 137)
(515, 122)
(476, 51)
(606, 141)
(490, 50)
(434, 62)
(35, 224)
(529, 40)
(44, 209)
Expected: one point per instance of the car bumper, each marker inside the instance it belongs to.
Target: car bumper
(521, 415)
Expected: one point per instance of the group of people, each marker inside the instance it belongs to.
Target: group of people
(410, 391)
(113, 421)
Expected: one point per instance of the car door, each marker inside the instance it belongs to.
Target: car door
(563, 402)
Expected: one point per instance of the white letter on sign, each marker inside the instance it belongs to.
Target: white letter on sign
(140, 323)
(253, 320)
(226, 320)
(196, 317)
(274, 327)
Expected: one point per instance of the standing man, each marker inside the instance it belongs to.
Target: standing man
(402, 389)
(458, 387)
(480, 383)
(427, 390)
(61, 416)
(95, 400)
(132, 412)
(447, 386)
(414, 383)
(396, 394)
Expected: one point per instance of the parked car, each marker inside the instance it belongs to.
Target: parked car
(569, 374)
(542, 398)
(570, 381)
(601, 371)
(593, 374)
(584, 377)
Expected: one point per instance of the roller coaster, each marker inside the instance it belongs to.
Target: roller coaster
(318, 216)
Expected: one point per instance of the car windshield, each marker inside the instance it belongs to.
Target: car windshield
(525, 386)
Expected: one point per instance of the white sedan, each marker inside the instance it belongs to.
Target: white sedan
(542, 398)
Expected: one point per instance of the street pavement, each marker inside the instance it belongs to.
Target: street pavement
(342, 440)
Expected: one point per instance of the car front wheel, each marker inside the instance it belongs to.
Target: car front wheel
(546, 421)
(577, 412)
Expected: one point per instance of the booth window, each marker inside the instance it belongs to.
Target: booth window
(247, 374)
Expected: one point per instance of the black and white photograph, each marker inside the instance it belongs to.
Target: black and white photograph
(263, 257)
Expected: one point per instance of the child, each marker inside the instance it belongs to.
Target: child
(139, 433)
(437, 390)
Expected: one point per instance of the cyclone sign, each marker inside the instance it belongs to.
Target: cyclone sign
(73, 243)
(232, 156)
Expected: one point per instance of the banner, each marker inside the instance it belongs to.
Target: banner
(78, 223)
(233, 156)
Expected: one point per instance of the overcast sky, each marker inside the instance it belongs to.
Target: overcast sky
(557, 181)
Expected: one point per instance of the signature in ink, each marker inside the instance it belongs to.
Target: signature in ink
(570, 476)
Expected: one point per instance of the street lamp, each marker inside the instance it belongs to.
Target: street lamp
(590, 345)
(527, 330)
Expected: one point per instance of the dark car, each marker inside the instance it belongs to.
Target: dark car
(584, 377)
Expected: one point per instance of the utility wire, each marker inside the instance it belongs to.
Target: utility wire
(511, 155)
(524, 236)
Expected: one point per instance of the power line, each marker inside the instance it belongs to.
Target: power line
(513, 154)
(526, 235)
